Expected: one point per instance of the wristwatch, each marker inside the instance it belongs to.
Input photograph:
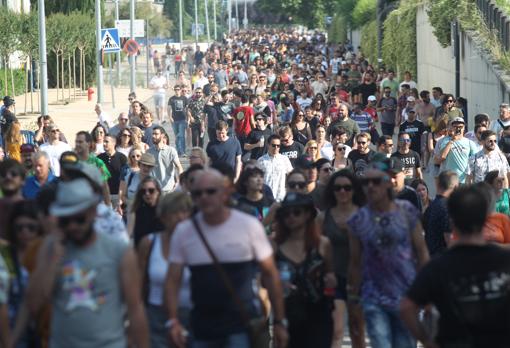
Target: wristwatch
(283, 322)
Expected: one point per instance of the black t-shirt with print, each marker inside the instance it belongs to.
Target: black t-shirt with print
(360, 160)
(410, 161)
(470, 286)
(293, 151)
(415, 129)
(178, 105)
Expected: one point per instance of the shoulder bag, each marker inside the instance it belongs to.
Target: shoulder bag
(257, 328)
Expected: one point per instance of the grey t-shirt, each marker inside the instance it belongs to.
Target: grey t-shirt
(88, 309)
(388, 116)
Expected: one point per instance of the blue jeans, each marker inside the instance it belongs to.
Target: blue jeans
(237, 340)
(180, 136)
(385, 328)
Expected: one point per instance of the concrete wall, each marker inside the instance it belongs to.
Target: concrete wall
(480, 82)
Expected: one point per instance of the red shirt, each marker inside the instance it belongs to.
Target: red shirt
(372, 112)
(242, 117)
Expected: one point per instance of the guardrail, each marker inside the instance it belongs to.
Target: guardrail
(496, 20)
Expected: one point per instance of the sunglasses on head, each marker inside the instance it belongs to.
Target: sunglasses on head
(77, 219)
(346, 188)
(296, 185)
(208, 191)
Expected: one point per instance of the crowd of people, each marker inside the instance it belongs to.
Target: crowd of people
(295, 210)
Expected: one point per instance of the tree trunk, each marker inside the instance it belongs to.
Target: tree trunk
(69, 75)
(63, 77)
(58, 75)
(5, 77)
(74, 74)
(31, 86)
(26, 85)
(12, 80)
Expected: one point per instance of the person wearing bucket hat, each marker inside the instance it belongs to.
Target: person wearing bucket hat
(87, 276)
(299, 247)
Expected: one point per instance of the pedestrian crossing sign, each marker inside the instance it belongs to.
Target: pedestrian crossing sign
(110, 40)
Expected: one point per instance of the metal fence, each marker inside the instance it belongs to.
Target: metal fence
(496, 20)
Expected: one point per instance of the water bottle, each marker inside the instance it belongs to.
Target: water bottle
(285, 277)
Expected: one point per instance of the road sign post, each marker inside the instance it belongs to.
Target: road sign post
(110, 42)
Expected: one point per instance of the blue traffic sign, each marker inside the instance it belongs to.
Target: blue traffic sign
(110, 40)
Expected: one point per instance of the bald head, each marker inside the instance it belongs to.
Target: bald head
(209, 177)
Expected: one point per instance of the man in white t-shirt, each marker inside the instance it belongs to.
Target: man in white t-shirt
(240, 244)
(54, 147)
(159, 84)
(276, 167)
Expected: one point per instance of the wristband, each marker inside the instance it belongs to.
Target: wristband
(170, 323)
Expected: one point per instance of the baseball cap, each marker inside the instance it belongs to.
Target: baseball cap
(8, 101)
(457, 120)
(294, 199)
(372, 98)
(411, 98)
(51, 127)
(411, 110)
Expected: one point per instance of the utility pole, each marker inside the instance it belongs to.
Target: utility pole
(118, 53)
(132, 79)
(98, 52)
(245, 20)
(237, 14)
(214, 17)
(180, 22)
(43, 79)
(229, 5)
(207, 23)
(196, 23)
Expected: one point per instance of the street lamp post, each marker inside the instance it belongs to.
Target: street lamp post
(132, 80)
(98, 52)
(118, 53)
(214, 18)
(207, 23)
(180, 23)
(43, 80)
(196, 23)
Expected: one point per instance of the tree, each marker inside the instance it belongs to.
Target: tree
(66, 7)
(10, 33)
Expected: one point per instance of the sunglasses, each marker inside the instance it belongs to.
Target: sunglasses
(126, 135)
(131, 99)
(55, 131)
(275, 145)
(346, 188)
(327, 169)
(405, 140)
(296, 212)
(389, 144)
(341, 148)
(10, 173)
(375, 181)
(312, 148)
(208, 191)
(450, 100)
(362, 142)
(296, 184)
(30, 227)
(77, 219)
(148, 191)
